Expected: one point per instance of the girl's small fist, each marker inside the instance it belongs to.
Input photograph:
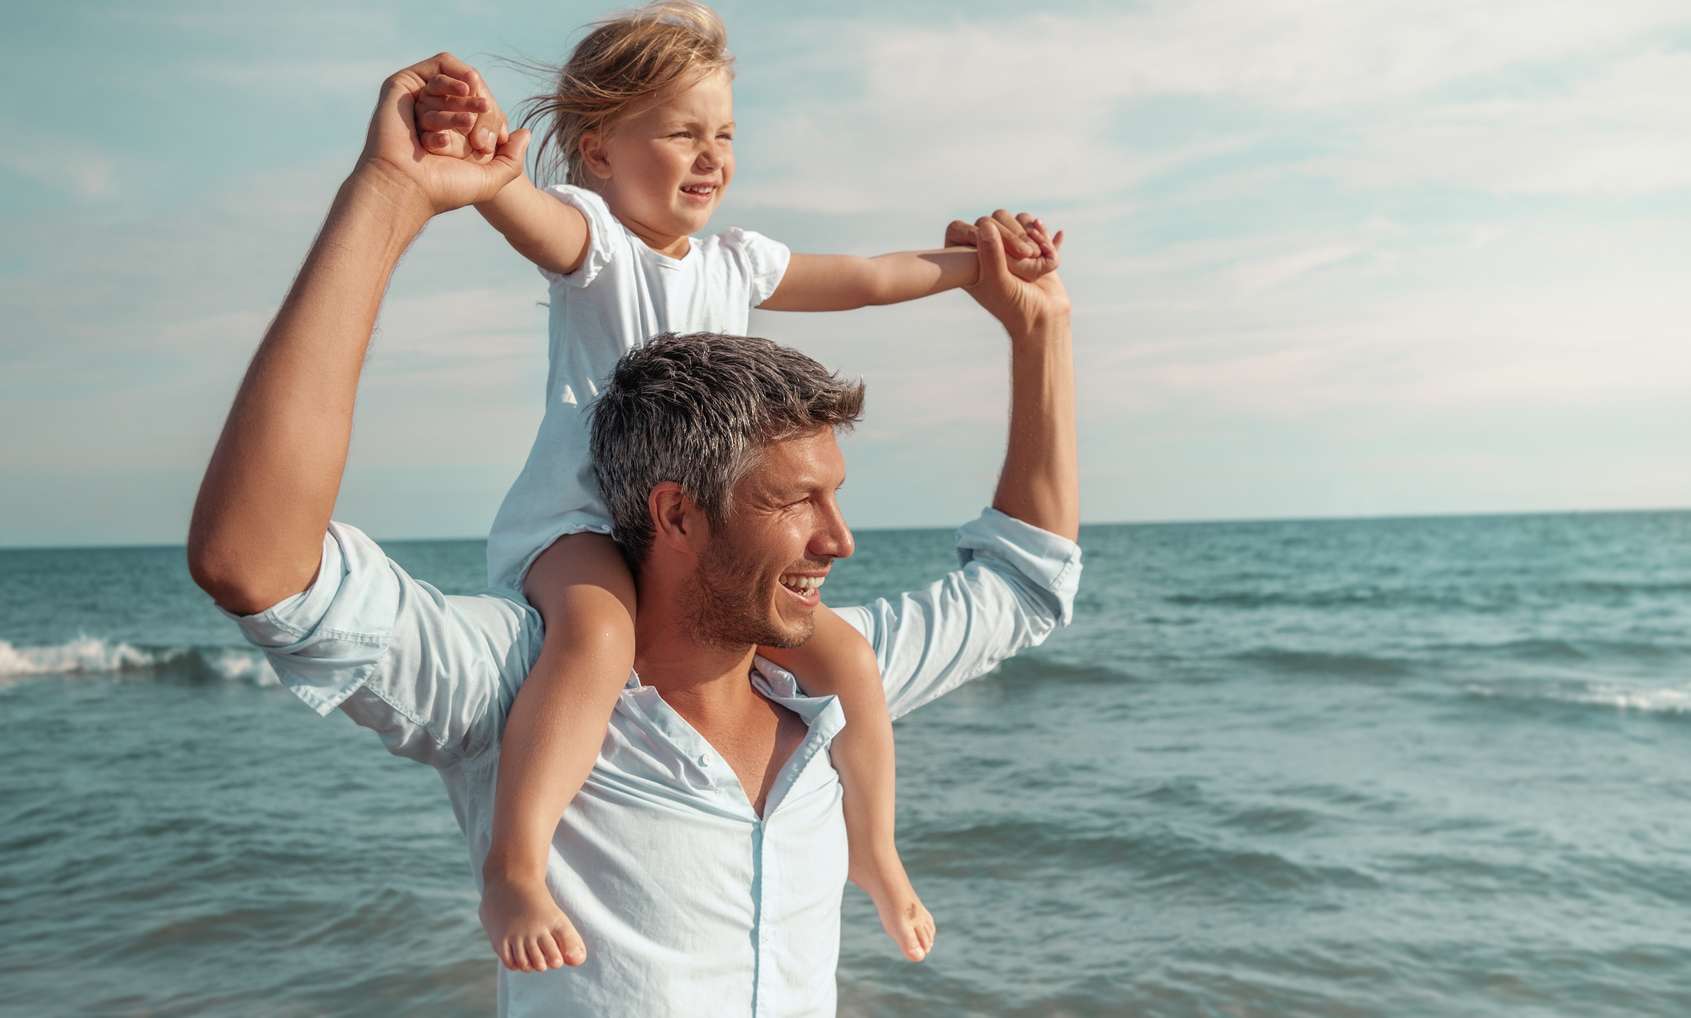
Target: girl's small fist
(457, 117)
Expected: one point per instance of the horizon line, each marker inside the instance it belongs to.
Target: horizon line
(1145, 522)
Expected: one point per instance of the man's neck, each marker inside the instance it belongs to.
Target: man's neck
(708, 685)
(695, 677)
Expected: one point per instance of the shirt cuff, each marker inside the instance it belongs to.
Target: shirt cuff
(291, 618)
(306, 637)
(1050, 562)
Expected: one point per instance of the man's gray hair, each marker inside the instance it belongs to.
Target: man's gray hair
(697, 409)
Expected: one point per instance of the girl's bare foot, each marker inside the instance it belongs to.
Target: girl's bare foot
(909, 924)
(527, 929)
(904, 917)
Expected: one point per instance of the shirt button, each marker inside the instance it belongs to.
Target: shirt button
(704, 759)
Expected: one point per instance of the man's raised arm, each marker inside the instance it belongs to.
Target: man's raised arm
(257, 531)
(1040, 481)
(1021, 567)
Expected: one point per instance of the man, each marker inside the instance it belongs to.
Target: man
(707, 852)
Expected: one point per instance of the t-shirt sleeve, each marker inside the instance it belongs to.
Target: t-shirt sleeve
(603, 234)
(764, 261)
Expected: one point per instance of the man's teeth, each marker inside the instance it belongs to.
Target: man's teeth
(699, 188)
(802, 583)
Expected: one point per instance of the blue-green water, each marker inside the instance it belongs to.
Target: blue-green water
(1385, 767)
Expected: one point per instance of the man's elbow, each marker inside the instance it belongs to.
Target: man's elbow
(219, 575)
(238, 581)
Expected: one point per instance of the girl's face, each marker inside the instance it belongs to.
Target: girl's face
(663, 170)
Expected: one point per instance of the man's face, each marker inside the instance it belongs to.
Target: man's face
(759, 576)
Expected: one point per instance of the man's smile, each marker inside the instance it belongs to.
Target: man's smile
(805, 587)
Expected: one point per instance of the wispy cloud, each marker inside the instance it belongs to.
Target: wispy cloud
(1302, 235)
(69, 164)
(292, 73)
(1606, 132)
(326, 20)
(1033, 107)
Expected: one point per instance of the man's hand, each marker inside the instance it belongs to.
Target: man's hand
(393, 156)
(1021, 305)
(457, 116)
(1029, 252)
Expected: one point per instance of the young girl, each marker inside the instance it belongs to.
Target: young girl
(642, 126)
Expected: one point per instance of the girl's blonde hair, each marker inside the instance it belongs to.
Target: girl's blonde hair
(625, 62)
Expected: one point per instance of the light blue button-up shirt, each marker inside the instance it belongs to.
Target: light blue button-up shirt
(690, 902)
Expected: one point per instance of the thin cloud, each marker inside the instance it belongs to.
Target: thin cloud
(274, 75)
(1282, 269)
(1032, 109)
(70, 165)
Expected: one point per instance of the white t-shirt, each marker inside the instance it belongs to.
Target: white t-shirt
(622, 294)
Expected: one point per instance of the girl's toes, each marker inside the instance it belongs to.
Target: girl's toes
(912, 944)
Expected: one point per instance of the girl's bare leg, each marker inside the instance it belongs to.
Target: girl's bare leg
(582, 589)
(837, 660)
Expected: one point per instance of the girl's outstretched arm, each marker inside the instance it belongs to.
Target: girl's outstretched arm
(843, 282)
(544, 230)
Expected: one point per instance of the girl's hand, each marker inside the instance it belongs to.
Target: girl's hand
(457, 116)
(1029, 252)
(1023, 306)
(394, 155)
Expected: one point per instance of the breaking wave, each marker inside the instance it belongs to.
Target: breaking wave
(1659, 700)
(91, 655)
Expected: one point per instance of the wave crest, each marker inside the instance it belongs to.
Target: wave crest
(1649, 701)
(91, 655)
(1658, 700)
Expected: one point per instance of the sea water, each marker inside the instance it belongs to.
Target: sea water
(1427, 766)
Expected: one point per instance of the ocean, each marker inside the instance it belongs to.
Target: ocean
(1429, 766)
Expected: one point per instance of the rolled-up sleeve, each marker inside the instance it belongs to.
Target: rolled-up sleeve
(432, 675)
(1016, 585)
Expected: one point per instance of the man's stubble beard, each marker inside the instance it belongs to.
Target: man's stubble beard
(724, 608)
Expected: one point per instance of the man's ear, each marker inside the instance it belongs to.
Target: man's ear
(593, 155)
(677, 522)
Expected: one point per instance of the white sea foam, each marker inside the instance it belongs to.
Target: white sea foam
(83, 654)
(241, 665)
(92, 655)
(1657, 700)
(1645, 699)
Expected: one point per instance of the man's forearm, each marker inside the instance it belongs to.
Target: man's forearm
(1040, 483)
(258, 525)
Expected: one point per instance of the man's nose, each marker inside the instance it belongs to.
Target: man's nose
(834, 540)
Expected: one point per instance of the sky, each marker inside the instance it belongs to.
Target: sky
(1326, 258)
